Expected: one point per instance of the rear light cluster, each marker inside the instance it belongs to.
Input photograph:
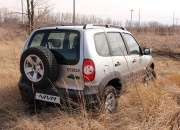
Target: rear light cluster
(88, 70)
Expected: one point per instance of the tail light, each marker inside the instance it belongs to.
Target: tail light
(88, 70)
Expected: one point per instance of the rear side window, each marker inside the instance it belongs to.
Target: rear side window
(64, 44)
(101, 44)
(117, 44)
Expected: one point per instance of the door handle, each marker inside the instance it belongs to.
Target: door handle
(117, 64)
(134, 60)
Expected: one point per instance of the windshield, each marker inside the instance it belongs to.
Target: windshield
(64, 44)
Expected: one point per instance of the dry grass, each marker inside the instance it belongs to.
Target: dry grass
(156, 106)
(168, 44)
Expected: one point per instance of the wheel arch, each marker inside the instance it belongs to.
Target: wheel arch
(152, 65)
(110, 80)
(116, 83)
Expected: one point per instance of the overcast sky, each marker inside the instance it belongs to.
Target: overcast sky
(151, 10)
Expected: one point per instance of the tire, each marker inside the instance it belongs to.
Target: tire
(150, 74)
(154, 74)
(38, 67)
(110, 100)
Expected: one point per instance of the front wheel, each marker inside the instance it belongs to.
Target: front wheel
(110, 99)
(150, 74)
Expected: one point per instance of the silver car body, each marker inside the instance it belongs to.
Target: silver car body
(105, 67)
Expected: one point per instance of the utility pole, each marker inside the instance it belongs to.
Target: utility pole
(177, 24)
(173, 19)
(131, 17)
(139, 18)
(176, 21)
(74, 12)
(22, 11)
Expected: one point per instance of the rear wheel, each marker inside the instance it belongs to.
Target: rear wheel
(110, 99)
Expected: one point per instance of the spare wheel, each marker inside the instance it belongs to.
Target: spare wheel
(38, 67)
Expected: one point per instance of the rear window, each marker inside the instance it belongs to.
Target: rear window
(64, 44)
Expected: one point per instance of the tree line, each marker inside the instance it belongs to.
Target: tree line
(38, 12)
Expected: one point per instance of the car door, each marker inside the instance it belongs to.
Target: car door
(68, 56)
(138, 65)
(120, 56)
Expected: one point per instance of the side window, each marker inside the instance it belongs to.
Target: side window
(101, 44)
(132, 44)
(117, 44)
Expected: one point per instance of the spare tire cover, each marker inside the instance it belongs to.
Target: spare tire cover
(38, 67)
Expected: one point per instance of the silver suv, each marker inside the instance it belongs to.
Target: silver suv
(84, 63)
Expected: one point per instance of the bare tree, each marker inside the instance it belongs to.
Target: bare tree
(8, 17)
(30, 16)
(108, 21)
(36, 11)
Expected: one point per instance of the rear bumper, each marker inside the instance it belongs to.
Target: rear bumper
(28, 92)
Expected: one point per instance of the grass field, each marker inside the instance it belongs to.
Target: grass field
(155, 106)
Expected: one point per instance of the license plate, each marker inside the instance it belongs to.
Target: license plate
(48, 98)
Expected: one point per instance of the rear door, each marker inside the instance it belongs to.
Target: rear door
(120, 56)
(69, 54)
(65, 45)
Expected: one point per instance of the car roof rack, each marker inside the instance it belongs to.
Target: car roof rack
(55, 25)
(88, 26)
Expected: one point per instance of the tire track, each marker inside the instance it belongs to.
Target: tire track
(175, 56)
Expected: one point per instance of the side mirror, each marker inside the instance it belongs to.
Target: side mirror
(147, 51)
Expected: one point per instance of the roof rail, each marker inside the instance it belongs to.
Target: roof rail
(116, 26)
(54, 25)
(86, 26)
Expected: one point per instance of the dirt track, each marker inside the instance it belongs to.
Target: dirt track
(166, 54)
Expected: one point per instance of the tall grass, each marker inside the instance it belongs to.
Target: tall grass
(155, 106)
(168, 44)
